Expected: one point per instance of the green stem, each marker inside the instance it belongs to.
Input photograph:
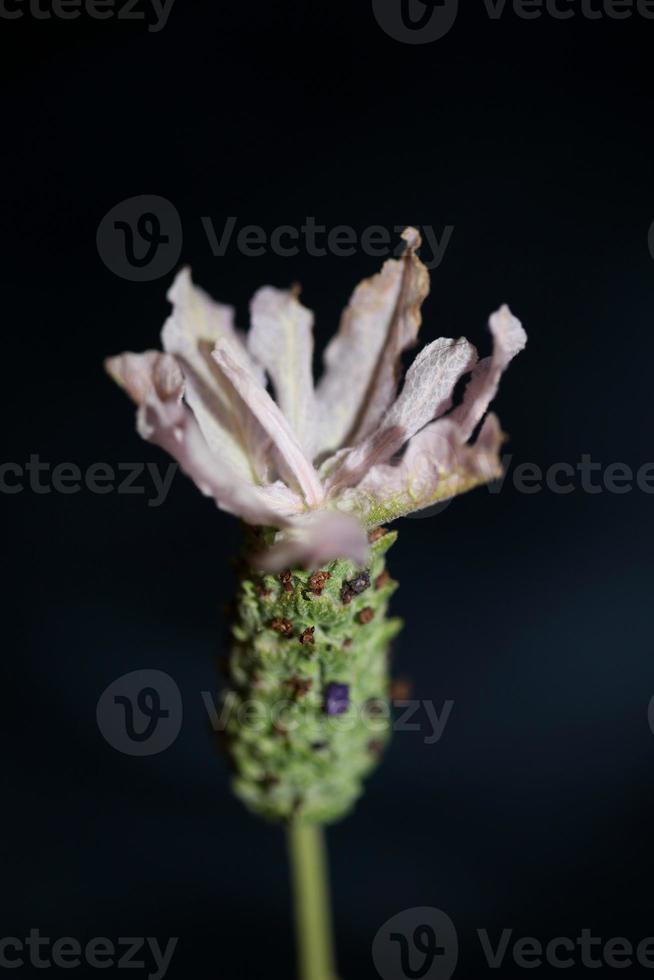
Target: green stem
(313, 929)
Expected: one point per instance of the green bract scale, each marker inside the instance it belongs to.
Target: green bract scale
(308, 691)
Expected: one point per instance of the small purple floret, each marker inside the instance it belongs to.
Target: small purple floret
(337, 700)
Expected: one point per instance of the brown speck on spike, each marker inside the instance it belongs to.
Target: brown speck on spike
(306, 636)
(348, 642)
(317, 582)
(286, 578)
(262, 590)
(401, 689)
(382, 579)
(300, 686)
(359, 583)
(281, 625)
(279, 730)
(378, 533)
(366, 615)
(355, 586)
(375, 747)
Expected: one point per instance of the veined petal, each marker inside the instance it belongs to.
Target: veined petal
(509, 338)
(281, 501)
(262, 406)
(313, 539)
(196, 325)
(281, 340)
(173, 428)
(436, 466)
(154, 381)
(362, 361)
(426, 394)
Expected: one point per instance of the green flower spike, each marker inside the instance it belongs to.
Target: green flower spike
(308, 686)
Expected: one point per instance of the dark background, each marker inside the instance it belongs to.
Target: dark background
(530, 611)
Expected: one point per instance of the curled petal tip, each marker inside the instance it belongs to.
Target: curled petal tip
(179, 285)
(110, 364)
(509, 329)
(141, 375)
(412, 238)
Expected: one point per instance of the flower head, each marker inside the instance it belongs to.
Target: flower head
(323, 464)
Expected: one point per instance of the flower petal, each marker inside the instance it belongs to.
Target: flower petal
(195, 326)
(310, 540)
(281, 340)
(154, 381)
(146, 374)
(426, 394)
(436, 466)
(362, 361)
(509, 338)
(267, 413)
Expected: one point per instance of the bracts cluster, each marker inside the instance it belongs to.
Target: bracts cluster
(308, 686)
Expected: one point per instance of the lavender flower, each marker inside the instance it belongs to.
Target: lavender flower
(323, 465)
